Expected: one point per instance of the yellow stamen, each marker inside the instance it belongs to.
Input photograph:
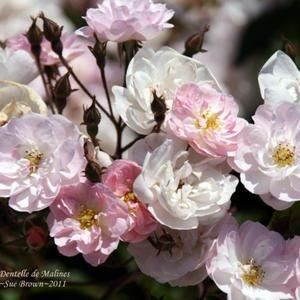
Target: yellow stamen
(284, 155)
(129, 197)
(35, 157)
(87, 218)
(212, 121)
(253, 274)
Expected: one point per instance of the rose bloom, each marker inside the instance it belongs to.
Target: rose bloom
(150, 72)
(250, 263)
(17, 66)
(177, 256)
(18, 100)
(206, 119)
(71, 48)
(119, 177)
(39, 156)
(268, 155)
(123, 20)
(87, 218)
(181, 194)
(279, 79)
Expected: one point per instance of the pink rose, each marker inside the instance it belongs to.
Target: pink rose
(250, 263)
(206, 119)
(119, 177)
(123, 20)
(39, 156)
(87, 219)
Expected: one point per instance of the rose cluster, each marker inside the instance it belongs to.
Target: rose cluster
(168, 192)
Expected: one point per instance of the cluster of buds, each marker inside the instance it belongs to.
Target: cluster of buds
(51, 31)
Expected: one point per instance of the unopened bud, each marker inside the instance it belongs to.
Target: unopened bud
(36, 237)
(194, 43)
(92, 118)
(92, 115)
(53, 32)
(35, 36)
(159, 108)
(62, 90)
(62, 87)
(93, 171)
(289, 48)
(99, 52)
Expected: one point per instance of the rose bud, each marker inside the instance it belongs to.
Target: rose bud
(194, 43)
(99, 52)
(35, 37)
(52, 32)
(36, 237)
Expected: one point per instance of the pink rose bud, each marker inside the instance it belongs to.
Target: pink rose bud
(36, 237)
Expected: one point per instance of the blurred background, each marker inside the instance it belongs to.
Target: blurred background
(243, 35)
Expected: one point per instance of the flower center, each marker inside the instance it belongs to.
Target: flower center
(35, 157)
(129, 197)
(87, 218)
(253, 273)
(284, 155)
(211, 120)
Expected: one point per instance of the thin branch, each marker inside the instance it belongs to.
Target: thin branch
(48, 96)
(131, 143)
(67, 66)
(104, 82)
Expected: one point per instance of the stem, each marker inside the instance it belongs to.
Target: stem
(51, 88)
(118, 153)
(104, 82)
(131, 143)
(48, 96)
(67, 66)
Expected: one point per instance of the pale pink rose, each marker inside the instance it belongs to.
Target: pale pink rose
(119, 177)
(268, 155)
(250, 263)
(207, 119)
(71, 48)
(87, 219)
(38, 156)
(123, 20)
(177, 256)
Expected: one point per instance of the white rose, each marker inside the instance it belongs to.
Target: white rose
(180, 194)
